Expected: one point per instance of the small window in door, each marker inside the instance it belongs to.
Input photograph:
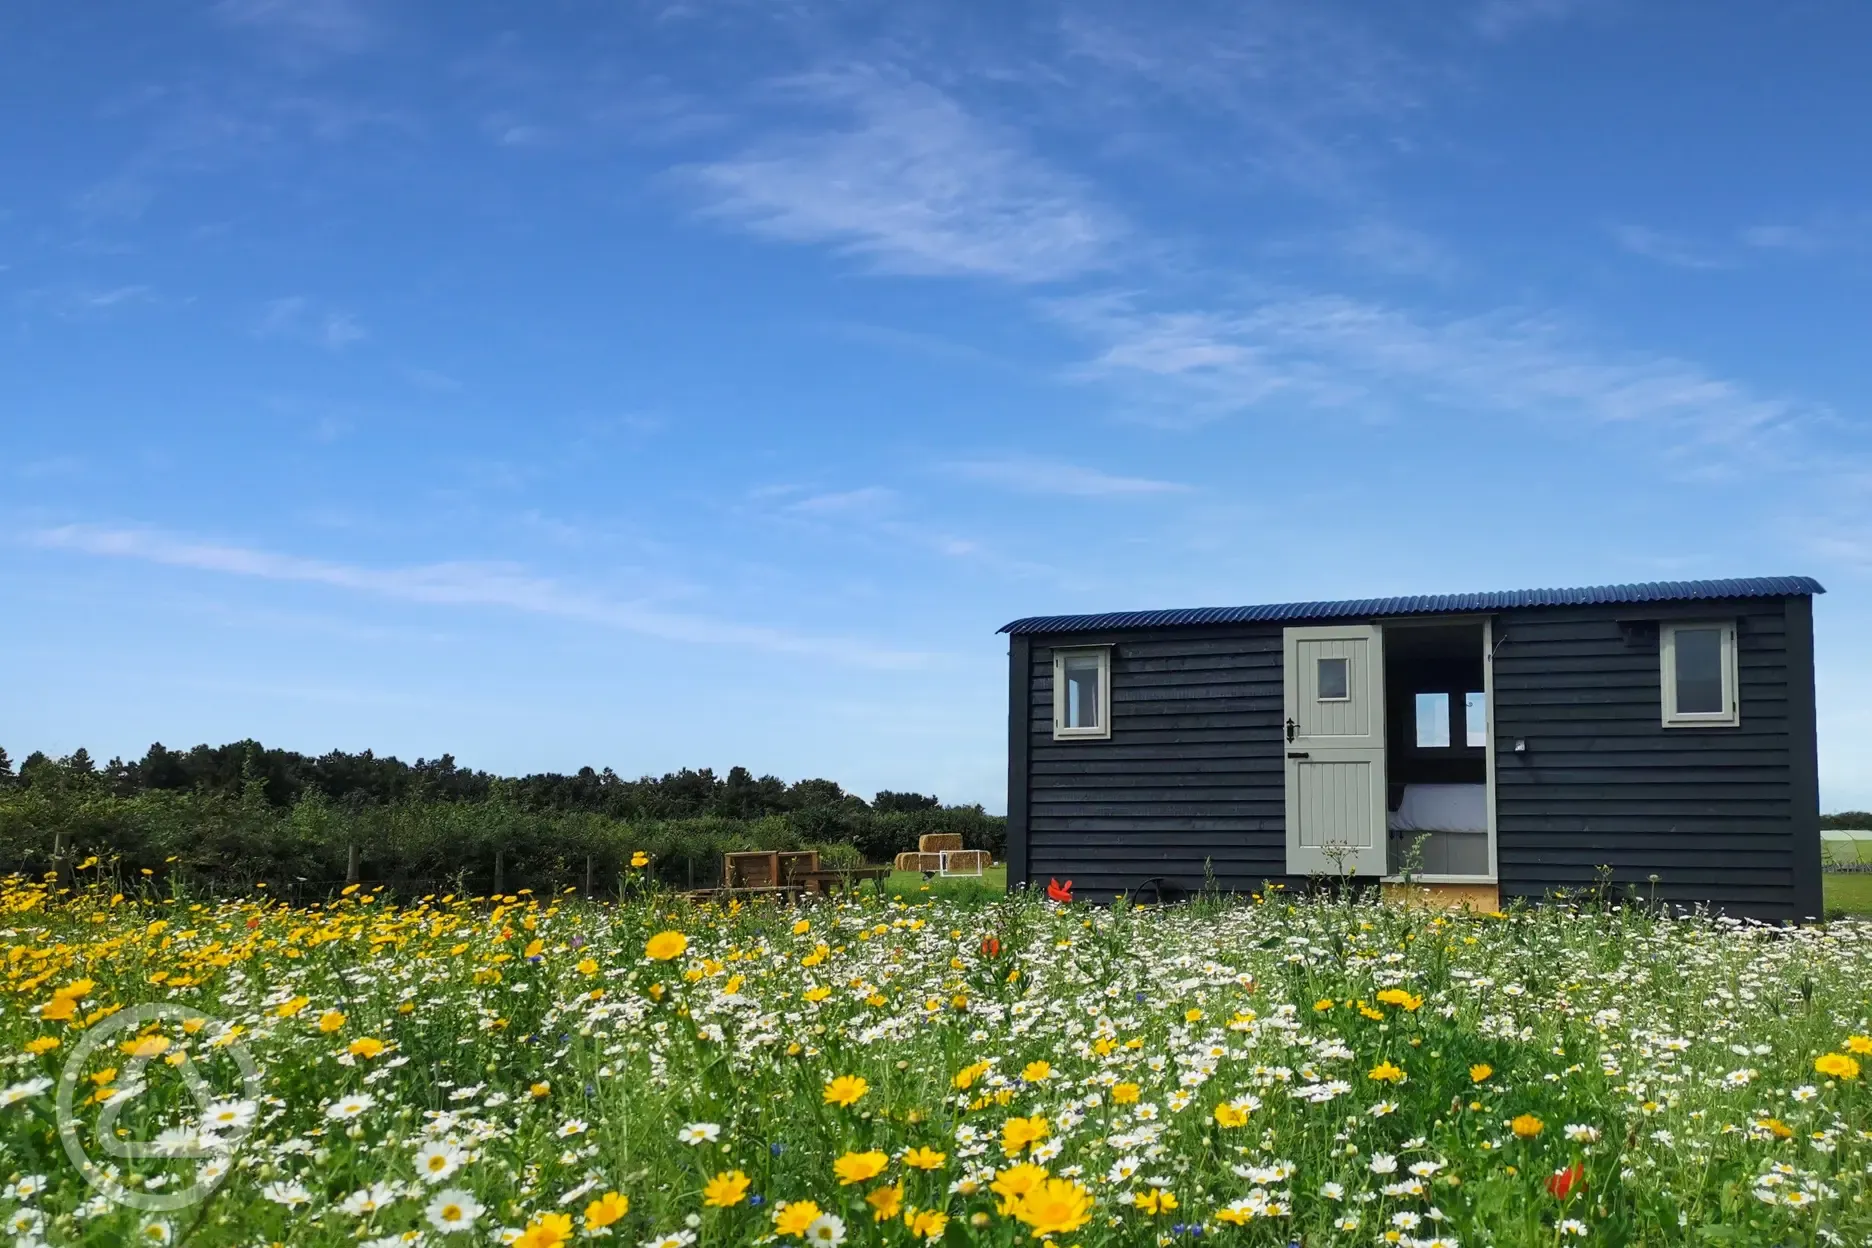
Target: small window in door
(1335, 680)
(1475, 720)
(1433, 721)
(1082, 693)
(1699, 675)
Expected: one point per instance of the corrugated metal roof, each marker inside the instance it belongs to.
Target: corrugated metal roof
(1429, 604)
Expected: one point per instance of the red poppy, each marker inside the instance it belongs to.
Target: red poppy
(991, 948)
(1562, 1182)
(1057, 891)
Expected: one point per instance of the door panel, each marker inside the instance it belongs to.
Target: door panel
(1335, 750)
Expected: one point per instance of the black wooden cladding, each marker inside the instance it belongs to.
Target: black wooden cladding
(1192, 780)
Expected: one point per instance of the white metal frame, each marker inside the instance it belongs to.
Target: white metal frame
(1731, 677)
(942, 863)
(1103, 729)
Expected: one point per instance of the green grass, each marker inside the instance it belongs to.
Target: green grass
(1850, 892)
(910, 884)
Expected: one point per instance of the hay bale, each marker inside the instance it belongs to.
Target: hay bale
(912, 861)
(969, 860)
(939, 842)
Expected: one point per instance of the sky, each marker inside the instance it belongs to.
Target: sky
(703, 383)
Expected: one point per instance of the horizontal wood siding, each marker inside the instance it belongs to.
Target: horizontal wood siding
(1707, 811)
(1191, 774)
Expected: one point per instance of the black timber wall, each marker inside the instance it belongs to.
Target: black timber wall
(1192, 774)
(1727, 816)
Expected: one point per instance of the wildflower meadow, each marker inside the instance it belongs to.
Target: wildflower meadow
(903, 1070)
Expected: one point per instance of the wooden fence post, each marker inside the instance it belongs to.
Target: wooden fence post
(351, 872)
(591, 877)
(500, 872)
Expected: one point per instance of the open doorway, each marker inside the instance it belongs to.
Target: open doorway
(1439, 757)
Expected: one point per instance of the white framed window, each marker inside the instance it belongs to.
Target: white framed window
(1433, 726)
(1701, 686)
(1082, 693)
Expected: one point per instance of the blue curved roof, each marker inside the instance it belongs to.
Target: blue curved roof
(1429, 604)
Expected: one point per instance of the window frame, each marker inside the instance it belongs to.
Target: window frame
(1729, 717)
(1102, 731)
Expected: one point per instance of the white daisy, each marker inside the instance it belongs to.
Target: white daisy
(453, 1210)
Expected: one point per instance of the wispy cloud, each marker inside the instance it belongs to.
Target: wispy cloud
(1333, 351)
(305, 25)
(1503, 19)
(869, 500)
(1663, 247)
(1033, 475)
(296, 317)
(458, 584)
(910, 182)
(1826, 234)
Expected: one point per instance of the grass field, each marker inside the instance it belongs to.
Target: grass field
(927, 1070)
(1849, 892)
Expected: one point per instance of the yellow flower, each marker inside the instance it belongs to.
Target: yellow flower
(1386, 1072)
(587, 966)
(44, 1044)
(1323, 1004)
(1837, 1066)
(607, 1209)
(885, 1203)
(549, 1230)
(366, 1046)
(846, 1090)
(927, 1223)
(794, 1217)
(330, 1021)
(1192, 1015)
(1154, 1200)
(1527, 1126)
(1400, 998)
(725, 1190)
(801, 926)
(925, 1159)
(540, 1091)
(1055, 1207)
(1775, 1127)
(145, 1046)
(1480, 1071)
(58, 1009)
(665, 945)
(857, 1167)
(1015, 1182)
(1037, 1072)
(534, 949)
(292, 1007)
(1859, 1044)
(1230, 1116)
(817, 993)
(1125, 1093)
(966, 1077)
(640, 860)
(1020, 1133)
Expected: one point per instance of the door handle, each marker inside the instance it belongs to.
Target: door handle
(1291, 726)
(1298, 754)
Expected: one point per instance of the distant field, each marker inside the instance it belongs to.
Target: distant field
(912, 886)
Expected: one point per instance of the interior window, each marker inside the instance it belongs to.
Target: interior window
(1433, 727)
(1475, 720)
(1699, 671)
(1335, 680)
(1700, 677)
(1082, 691)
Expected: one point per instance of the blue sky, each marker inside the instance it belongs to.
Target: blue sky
(703, 383)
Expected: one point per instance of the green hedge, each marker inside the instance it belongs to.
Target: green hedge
(217, 842)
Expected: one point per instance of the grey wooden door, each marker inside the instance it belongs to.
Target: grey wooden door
(1335, 749)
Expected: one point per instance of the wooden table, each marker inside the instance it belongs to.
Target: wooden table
(830, 879)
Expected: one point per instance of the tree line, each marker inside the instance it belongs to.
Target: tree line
(236, 815)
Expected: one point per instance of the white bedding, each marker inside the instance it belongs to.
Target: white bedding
(1441, 808)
